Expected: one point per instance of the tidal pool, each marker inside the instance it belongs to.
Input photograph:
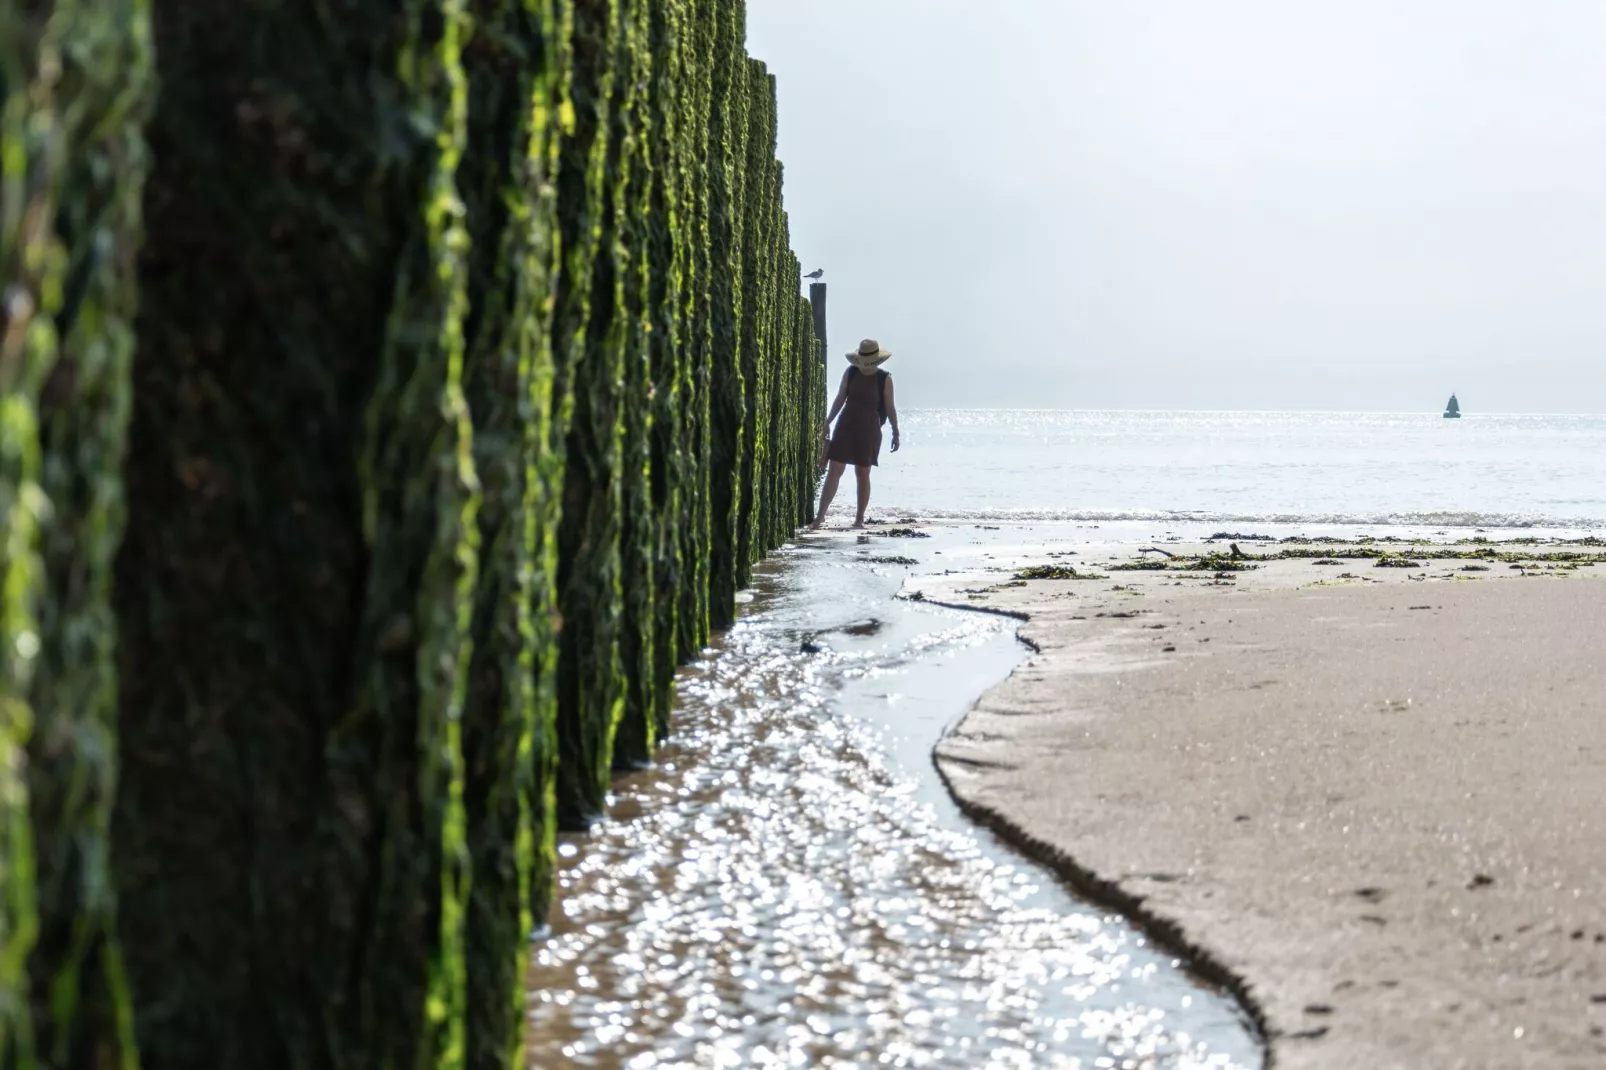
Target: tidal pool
(790, 886)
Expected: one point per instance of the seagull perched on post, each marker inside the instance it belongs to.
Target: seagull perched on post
(817, 273)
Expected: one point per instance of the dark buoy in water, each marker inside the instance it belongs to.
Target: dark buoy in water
(1452, 411)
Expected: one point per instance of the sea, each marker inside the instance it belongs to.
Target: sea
(1537, 474)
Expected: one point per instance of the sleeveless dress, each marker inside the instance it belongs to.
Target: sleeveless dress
(857, 439)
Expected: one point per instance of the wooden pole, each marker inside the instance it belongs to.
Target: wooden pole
(817, 299)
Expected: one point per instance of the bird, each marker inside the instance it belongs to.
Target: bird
(817, 273)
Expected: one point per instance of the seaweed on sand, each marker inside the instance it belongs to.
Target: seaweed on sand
(1210, 562)
(1056, 572)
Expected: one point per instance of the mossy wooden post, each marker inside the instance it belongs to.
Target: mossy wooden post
(772, 411)
(753, 345)
(295, 590)
(777, 511)
(76, 83)
(590, 684)
(798, 459)
(819, 376)
(779, 514)
(696, 101)
(811, 391)
(581, 192)
(639, 526)
(421, 496)
(777, 481)
(795, 434)
(517, 64)
(668, 242)
(803, 440)
(728, 128)
(802, 461)
(769, 401)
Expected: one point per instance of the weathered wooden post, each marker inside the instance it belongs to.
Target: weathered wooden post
(817, 300)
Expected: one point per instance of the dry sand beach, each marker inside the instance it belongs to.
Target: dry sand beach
(1371, 799)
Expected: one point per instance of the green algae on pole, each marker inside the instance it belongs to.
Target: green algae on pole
(515, 63)
(591, 685)
(77, 88)
(639, 543)
(295, 589)
(728, 128)
(757, 222)
(805, 445)
(696, 316)
(666, 236)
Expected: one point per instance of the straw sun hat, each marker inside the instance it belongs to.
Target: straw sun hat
(869, 354)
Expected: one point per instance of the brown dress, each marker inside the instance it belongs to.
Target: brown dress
(857, 440)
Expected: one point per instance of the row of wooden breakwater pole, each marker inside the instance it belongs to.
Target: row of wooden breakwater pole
(393, 394)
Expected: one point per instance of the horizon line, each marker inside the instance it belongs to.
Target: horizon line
(1320, 412)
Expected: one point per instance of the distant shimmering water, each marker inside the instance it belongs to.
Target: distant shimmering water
(1369, 469)
(791, 887)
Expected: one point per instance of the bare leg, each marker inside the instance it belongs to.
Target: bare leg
(832, 478)
(862, 471)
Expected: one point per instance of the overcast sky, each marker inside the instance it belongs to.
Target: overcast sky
(1341, 204)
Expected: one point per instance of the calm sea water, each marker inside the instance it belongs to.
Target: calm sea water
(1418, 470)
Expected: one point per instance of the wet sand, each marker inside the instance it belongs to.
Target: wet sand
(1373, 799)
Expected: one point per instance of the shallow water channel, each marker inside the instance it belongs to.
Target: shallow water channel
(791, 885)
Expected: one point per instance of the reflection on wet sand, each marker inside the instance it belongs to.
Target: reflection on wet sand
(776, 892)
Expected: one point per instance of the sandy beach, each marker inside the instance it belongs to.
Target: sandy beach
(1362, 784)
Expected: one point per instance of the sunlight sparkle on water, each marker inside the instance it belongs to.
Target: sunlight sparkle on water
(778, 898)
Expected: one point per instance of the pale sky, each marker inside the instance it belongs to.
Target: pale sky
(1331, 204)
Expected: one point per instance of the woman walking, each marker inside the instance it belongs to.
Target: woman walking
(865, 403)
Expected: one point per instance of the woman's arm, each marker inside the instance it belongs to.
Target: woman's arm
(836, 406)
(892, 415)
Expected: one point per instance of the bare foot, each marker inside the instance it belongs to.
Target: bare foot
(858, 524)
(816, 525)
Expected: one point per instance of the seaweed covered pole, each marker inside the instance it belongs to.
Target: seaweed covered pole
(695, 314)
(667, 240)
(809, 409)
(468, 378)
(77, 83)
(297, 585)
(597, 157)
(639, 536)
(727, 172)
(758, 221)
(517, 61)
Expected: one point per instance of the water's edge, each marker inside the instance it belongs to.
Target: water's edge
(1165, 933)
